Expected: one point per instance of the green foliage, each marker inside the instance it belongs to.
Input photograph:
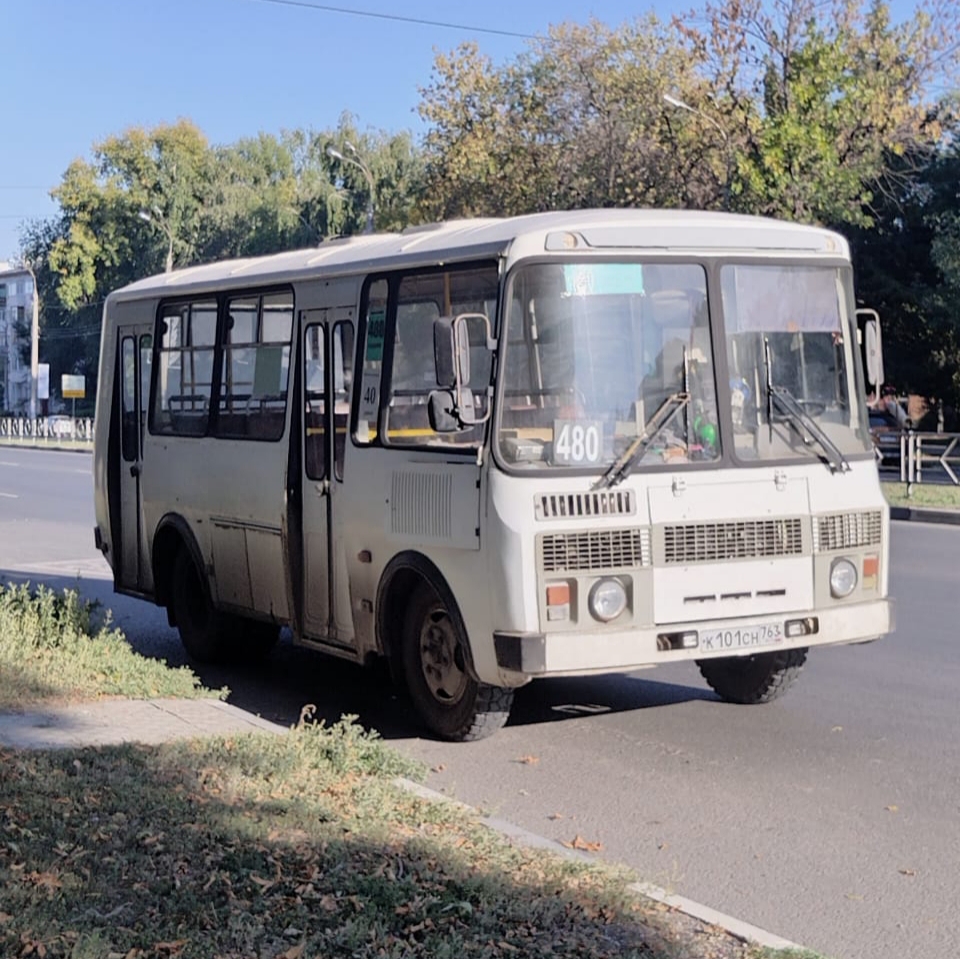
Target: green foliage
(56, 645)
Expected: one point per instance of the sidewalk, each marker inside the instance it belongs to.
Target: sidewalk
(114, 721)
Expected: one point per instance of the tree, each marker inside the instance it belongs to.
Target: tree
(827, 99)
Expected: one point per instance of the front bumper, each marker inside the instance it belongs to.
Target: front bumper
(555, 654)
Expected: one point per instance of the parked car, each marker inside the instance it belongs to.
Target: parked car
(885, 431)
(60, 426)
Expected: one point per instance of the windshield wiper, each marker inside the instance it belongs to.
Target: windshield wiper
(620, 468)
(781, 399)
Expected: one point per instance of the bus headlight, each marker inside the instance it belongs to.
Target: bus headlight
(608, 599)
(843, 578)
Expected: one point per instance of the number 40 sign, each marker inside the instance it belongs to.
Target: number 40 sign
(577, 442)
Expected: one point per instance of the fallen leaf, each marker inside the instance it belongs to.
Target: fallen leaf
(907, 872)
(528, 760)
(294, 952)
(837, 729)
(892, 808)
(856, 897)
(555, 816)
(662, 845)
(578, 842)
(264, 884)
(439, 768)
(5, 917)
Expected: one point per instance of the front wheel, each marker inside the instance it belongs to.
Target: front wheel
(448, 699)
(753, 679)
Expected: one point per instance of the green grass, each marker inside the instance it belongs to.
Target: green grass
(291, 847)
(933, 496)
(55, 646)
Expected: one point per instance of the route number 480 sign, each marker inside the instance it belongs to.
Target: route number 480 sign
(577, 442)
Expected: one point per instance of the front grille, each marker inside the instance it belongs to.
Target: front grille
(595, 550)
(573, 505)
(742, 539)
(847, 531)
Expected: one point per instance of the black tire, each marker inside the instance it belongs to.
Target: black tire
(449, 701)
(749, 680)
(203, 629)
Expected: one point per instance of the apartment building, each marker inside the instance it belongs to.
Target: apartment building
(16, 310)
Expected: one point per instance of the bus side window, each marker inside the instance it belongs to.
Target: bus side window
(128, 394)
(374, 327)
(315, 395)
(342, 390)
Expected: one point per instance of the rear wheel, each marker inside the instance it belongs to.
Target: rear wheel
(753, 679)
(203, 629)
(448, 699)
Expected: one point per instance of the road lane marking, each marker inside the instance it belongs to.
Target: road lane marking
(9, 495)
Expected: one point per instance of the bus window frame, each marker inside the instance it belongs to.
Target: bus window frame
(393, 279)
(222, 297)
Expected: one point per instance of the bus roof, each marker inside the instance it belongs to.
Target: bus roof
(577, 231)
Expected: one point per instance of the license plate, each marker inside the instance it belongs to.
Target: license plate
(741, 637)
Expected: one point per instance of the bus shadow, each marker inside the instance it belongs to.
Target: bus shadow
(290, 679)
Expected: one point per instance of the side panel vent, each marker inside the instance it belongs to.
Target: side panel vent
(847, 531)
(421, 505)
(742, 539)
(605, 549)
(583, 505)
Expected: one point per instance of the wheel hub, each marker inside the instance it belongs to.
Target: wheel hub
(441, 658)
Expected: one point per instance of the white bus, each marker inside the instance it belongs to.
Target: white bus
(495, 450)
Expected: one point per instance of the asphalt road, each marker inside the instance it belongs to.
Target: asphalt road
(831, 817)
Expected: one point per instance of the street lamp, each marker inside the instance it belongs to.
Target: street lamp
(158, 221)
(681, 105)
(364, 169)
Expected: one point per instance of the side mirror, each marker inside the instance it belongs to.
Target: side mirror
(451, 353)
(444, 352)
(442, 412)
(868, 330)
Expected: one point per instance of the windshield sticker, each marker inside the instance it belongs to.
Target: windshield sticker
(603, 279)
(376, 326)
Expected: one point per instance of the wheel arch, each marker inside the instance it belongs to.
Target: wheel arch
(173, 533)
(397, 582)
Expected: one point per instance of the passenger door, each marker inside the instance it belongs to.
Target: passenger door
(134, 357)
(327, 351)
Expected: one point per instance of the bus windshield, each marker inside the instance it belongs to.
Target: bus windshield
(790, 343)
(607, 361)
(595, 353)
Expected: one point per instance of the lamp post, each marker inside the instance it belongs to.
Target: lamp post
(364, 169)
(158, 221)
(681, 105)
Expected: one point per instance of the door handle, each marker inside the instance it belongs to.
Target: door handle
(135, 470)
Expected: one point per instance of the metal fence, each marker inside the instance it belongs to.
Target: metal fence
(46, 429)
(921, 457)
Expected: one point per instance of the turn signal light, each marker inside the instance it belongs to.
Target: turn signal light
(871, 571)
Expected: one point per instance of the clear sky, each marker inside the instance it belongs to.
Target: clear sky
(76, 71)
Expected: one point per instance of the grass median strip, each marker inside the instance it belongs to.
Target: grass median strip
(923, 495)
(290, 847)
(57, 646)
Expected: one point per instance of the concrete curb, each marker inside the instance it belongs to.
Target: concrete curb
(744, 931)
(920, 514)
(53, 447)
